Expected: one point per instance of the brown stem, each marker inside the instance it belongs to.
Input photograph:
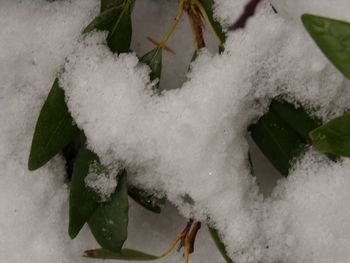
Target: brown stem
(193, 234)
(249, 11)
(197, 25)
(184, 233)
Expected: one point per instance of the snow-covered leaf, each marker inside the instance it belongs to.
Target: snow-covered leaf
(147, 200)
(333, 137)
(124, 254)
(221, 247)
(119, 37)
(333, 38)
(82, 200)
(105, 20)
(297, 118)
(277, 140)
(54, 129)
(154, 60)
(109, 222)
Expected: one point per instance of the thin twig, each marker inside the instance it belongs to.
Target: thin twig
(249, 11)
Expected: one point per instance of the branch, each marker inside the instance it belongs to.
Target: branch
(249, 11)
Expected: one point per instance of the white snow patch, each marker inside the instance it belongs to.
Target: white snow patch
(102, 179)
(189, 143)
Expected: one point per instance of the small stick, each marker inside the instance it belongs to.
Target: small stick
(165, 47)
(249, 11)
(192, 236)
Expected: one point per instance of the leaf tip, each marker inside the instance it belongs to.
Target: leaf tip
(305, 18)
(32, 163)
(72, 233)
(89, 253)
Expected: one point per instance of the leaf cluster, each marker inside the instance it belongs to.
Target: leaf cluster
(56, 132)
(283, 133)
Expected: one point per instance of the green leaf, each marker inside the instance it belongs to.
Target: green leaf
(70, 152)
(54, 129)
(105, 21)
(277, 140)
(250, 164)
(221, 247)
(109, 222)
(119, 38)
(108, 4)
(148, 201)
(208, 7)
(154, 60)
(333, 137)
(194, 55)
(333, 38)
(82, 200)
(297, 118)
(124, 254)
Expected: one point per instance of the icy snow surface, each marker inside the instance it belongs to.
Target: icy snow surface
(190, 143)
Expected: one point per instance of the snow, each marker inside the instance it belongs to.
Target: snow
(190, 143)
(308, 210)
(102, 179)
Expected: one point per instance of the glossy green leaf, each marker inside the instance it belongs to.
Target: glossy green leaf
(124, 254)
(277, 140)
(119, 37)
(154, 60)
(297, 118)
(208, 6)
(109, 4)
(333, 38)
(82, 200)
(109, 222)
(333, 137)
(221, 247)
(105, 21)
(148, 201)
(54, 129)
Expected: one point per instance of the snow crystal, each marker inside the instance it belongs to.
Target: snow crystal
(307, 218)
(102, 179)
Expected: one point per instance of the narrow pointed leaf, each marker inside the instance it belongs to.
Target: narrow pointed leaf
(109, 222)
(148, 201)
(297, 118)
(154, 60)
(333, 137)
(194, 55)
(124, 254)
(82, 200)
(70, 152)
(219, 244)
(54, 129)
(119, 38)
(278, 141)
(333, 38)
(105, 20)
